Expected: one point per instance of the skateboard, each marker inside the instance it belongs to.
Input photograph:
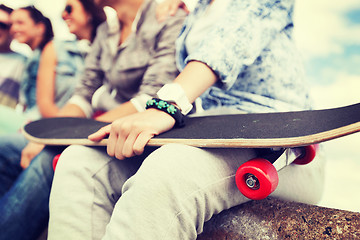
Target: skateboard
(292, 136)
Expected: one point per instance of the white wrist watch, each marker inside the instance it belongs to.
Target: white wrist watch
(173, 92)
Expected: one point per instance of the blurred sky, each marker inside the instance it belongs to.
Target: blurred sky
(328, 35)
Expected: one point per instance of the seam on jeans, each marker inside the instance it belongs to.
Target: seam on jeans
(92, 208)
(93, 197)
(221, 181)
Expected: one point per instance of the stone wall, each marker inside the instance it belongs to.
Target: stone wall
(276, 219)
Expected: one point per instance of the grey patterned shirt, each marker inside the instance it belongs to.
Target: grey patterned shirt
(140, 66)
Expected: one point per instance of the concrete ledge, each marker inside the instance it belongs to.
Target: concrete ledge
(276, 219)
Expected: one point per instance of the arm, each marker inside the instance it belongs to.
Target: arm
(45, 92)
(122, 110)
(71, 110)
(129, 135)
(80, 103)
(161, 69)
(238, 38)
(45, 83)
(195, 79)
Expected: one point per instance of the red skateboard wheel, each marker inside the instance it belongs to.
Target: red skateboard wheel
(308, 155)
(55, 161)
(256, 179)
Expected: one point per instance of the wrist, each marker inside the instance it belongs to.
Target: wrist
(173, 93)
(167, 108)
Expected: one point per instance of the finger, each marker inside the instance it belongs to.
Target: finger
(100, 134)
(25, 161)
(113, 136)
(141, 141)
(118, 134)
(127, 150)
(118, 148)
(137, 139)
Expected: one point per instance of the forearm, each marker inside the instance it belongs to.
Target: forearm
(122, 110)
(48, 109)
(46, 78)
(195, 79)
(71, 110)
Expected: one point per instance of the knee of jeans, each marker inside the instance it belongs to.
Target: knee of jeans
(43, 163)
(171, 160)
(68, 158)
(169, 168)
(81, 158)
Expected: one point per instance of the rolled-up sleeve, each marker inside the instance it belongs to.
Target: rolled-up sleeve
(241, 35)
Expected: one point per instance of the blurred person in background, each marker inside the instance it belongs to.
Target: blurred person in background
(11, 66)
(30, 27)
(131, 58)
(61, 63)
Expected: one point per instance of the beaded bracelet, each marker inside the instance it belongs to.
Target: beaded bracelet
(167, 108)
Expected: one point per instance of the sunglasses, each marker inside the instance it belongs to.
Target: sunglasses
(4, 26)
(68, 9)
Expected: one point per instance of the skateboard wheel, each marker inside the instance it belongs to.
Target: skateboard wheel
(309, 153)
(256, 179)
(55, 161)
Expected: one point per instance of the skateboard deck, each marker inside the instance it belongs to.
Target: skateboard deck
(281, 129)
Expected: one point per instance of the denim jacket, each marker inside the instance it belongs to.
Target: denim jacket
(28, 80)
(251, 50)
(70, 64)
(70, 67)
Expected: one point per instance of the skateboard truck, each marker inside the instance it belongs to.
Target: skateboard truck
(258, 178)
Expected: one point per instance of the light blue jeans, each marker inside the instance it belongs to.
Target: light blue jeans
(24, 198)
(166, 195)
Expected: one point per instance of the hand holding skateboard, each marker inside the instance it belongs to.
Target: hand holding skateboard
(128, 136)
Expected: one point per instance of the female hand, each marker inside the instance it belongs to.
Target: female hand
(29, 152)
(129, 135)
(169, 8)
